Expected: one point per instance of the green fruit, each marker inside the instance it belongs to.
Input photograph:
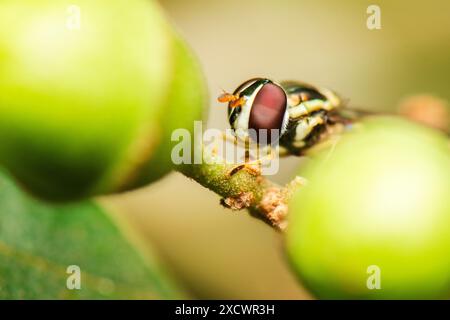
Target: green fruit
(187, 93)
(376, 211)
(82, 106)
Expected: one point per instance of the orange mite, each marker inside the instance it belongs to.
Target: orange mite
(227, 97)
(234, 99)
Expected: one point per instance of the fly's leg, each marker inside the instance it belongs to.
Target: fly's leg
(225, 138)
(230, 138)
(253, 167)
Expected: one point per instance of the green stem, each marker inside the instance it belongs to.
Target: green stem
(264, 199)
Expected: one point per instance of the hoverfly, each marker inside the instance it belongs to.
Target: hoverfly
(301, 113)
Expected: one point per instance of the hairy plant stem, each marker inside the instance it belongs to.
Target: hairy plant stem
(265, 199)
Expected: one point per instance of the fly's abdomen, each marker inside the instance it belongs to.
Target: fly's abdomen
(308, 109)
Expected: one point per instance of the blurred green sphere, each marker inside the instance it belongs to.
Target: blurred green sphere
(85, 89)
(374, 220)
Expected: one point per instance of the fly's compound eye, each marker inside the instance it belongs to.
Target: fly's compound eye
(258, 108)
(267, 114)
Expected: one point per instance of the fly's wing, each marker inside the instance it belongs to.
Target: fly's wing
(348, 115)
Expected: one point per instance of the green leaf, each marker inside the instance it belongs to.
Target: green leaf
(39, 241)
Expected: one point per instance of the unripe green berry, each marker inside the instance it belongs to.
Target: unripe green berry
(374, 220)
(83, 89)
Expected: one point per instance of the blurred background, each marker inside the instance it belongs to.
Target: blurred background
(219, 254)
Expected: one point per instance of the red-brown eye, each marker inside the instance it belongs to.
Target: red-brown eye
(268, 108)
